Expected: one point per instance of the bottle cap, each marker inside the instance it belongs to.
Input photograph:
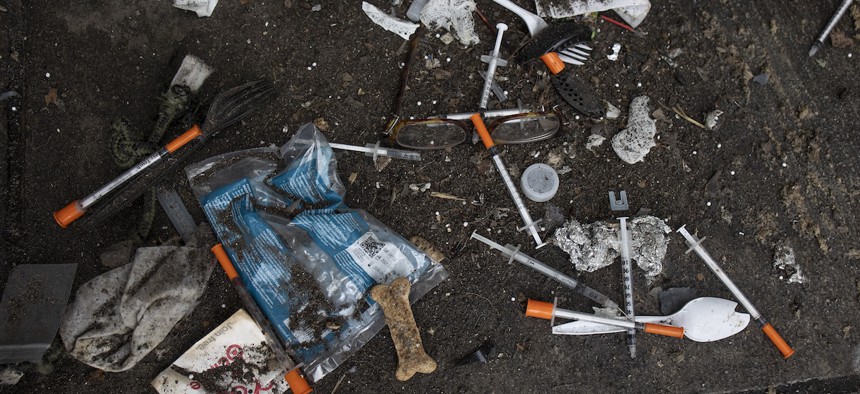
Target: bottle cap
(539, 182)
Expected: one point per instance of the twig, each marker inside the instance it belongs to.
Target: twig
(680, 112)
(339, 381)
(446, 196)
(623, 26)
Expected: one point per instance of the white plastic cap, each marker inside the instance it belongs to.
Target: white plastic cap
(539, 182)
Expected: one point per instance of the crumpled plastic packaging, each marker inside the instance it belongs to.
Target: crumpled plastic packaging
(632, 11)
(594, 246)
(783, 259)
(454, 16)
(118, 317)
(634, 142)
(203, 8)
(402, 28)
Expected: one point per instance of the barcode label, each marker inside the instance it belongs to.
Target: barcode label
(381, 260)
(371, 246)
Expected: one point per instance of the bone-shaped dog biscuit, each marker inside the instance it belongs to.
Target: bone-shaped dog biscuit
(394, 300)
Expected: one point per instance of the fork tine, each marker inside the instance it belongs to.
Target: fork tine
(584, 47)
(574, 56)
(573, 50)
(569, 60)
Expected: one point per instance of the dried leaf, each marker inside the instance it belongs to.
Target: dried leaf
(840, 40)
(51, 97)
(353, 177)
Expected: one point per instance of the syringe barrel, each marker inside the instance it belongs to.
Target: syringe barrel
(694, 244)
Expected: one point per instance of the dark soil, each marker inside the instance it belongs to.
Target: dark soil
(785, 155)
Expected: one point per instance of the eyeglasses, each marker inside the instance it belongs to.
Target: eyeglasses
(512, 126)
(442, 133)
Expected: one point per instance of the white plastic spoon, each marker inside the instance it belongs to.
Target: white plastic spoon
(705, 319)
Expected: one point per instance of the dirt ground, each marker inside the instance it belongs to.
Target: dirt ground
(781, 170)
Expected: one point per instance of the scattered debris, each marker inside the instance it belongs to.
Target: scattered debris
(634, 142)
(680, 112)
(713, 120)
(322, 124)
(454, 16)
(616, 49)
(446, 196)
(761, 79)
(593, 246)
(481, 355)
(203, 8)
(594, 141)
(612, 112)
(51, 97)
(840, 40)
(394, 300)
(402, 28)
(784, 260)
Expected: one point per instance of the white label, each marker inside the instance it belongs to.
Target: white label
(381, 260)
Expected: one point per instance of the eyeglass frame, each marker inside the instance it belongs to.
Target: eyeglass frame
(398, 123)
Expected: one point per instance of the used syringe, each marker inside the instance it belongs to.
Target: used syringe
(297, 382)
(530, 225)
(531, 262)
(695, 244)
(375, 150)
(627, 274)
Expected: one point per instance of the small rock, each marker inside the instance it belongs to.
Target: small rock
(804, 112)
(322, 124)
(700, 277)
(594, 141)
(316, 8)
(612, 112)
(440, 74)
(761, 79)
(447, 38)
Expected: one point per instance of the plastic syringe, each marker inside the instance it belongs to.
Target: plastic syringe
(375, 150)
(627, 274)
(294, 378)
(528, 261)
(530, 225)
(695, 244)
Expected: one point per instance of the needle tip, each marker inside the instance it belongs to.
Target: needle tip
(814, 49)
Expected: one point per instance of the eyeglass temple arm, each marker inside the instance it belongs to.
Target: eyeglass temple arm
(404, 75)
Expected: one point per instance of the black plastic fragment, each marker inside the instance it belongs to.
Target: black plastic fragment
(481, 355)
(578, 95)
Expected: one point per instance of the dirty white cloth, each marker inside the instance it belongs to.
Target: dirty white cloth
(454, 16)
(120, 316)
